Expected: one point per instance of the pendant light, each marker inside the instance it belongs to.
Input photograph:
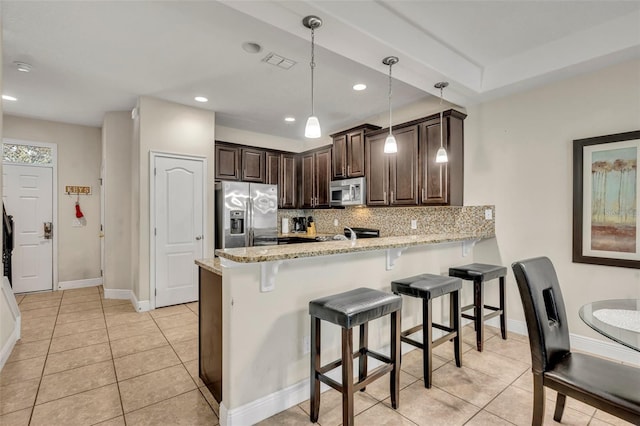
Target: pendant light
(390, 144)
(441, 155)
(312, 129)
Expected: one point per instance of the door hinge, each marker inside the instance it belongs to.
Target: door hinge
(101, 273)
(101, 228)
(155, 292)
(155, 231)
(155, 171)
(100, 179)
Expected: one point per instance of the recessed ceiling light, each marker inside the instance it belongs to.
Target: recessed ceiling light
(201, 99)
(251, 47)
(359, 86)
(289, 119)
(9, 98)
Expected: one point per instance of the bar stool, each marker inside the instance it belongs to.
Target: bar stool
(428, 287)
(479, 273)
(350, 309)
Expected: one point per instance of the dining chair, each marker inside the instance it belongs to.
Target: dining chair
(606, 385)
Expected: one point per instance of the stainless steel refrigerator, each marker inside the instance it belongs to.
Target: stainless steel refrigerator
(246, 214)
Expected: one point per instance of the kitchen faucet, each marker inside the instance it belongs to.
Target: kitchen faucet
(353, 234)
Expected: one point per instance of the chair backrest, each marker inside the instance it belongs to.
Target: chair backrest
(544, 311)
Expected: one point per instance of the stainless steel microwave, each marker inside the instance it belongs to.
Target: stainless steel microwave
(348, 192)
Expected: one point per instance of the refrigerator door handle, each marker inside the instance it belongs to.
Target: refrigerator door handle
(250, 218)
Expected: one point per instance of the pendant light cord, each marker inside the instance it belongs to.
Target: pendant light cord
(441, 123)
(313, 65)
(390, 126)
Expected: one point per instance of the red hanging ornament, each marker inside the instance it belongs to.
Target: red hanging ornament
(78, 211)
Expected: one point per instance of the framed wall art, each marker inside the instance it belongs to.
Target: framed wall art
(605, 200)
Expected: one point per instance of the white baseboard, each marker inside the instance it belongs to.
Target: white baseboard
(90, 282)
(283, 399)
(7, 346)
(140, 306)
(607, 349)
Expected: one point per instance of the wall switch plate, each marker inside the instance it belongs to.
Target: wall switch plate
(414, 224)
(488, 214)
(306, 343)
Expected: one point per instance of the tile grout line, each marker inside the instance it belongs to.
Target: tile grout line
(35, 399)
(113, 363)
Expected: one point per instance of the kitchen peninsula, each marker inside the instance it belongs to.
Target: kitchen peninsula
(256, 303)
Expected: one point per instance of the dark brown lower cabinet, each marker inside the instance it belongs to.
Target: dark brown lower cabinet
(210, 331)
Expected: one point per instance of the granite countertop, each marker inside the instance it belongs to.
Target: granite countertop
(211, 265)
(294, 251)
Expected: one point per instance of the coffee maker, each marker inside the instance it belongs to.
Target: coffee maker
(300, 224)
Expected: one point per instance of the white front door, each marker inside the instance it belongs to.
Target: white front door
(28, 197)
(179, 228)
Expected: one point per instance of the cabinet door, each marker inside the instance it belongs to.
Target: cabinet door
(307, 187)
(253, 169)
(273, 166)
(403, 171)
(323, 178)
(339, 157)
(288, 185)
(227, 162)
(377, 170)
(355, 155)
(433, 176)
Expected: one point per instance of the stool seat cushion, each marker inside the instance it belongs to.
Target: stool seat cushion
(475, 270)
(426, 286)
(355, 307)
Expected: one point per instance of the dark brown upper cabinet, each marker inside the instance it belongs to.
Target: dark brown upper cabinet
(315, 178)
(281, 171)
(411, 176)
(253, 165)
(442, 183)
(227, 161)
(392, 179)
(348, 153)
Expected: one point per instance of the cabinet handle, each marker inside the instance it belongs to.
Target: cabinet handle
(349, 169)
(391, 200)
(343, 174)
(384, 196)
(423, 195)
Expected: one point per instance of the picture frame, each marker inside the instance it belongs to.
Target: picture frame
(606, 200)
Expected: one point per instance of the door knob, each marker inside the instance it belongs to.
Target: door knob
(199, 237)
(48, 230)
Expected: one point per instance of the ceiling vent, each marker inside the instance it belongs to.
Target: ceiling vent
(279, 61)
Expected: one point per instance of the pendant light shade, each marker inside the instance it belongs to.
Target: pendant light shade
(441, 155)
(312, 129)
(390, 144)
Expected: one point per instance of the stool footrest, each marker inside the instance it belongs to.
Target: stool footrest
(412, 342)
(374, 374)
(337, 363)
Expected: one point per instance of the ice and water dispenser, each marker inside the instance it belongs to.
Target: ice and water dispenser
(236, 217)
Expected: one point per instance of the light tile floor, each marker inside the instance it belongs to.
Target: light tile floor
(86, 360)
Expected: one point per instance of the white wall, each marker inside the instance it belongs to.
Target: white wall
(178, 129)
(518, 156)
(79, 157)
(117, 135)
(244, 137)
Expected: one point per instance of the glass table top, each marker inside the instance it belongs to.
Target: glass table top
(617, 319)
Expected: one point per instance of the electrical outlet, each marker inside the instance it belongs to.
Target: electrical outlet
(335, 222)
(306, 343)
(488, 214)
(414, 224)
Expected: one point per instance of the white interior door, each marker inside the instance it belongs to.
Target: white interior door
(179, 228)
(28, 197)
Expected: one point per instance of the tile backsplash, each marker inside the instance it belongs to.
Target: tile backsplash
(396, 221)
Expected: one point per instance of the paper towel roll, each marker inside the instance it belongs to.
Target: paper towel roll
(285, 225)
